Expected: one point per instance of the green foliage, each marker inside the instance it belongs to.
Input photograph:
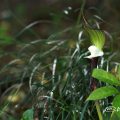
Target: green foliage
(114, 116)
(104, 76)
(116, 105)
(28, 115)
(102, 92)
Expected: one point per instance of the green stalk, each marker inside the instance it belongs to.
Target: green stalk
(98, 110)
(74, 115)
(81, 12)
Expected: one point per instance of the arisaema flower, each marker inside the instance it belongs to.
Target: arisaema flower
(94, 52)
(97, 39)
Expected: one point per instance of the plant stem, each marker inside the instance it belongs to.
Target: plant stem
(98, 110)
(93, 85)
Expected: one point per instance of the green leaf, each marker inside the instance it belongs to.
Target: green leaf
(116, 105)
(28, 115)
(97, 37)
(105, 77)
(114, 116)
(116, 101)
(102, 92)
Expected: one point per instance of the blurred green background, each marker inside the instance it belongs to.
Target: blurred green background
(52, 16)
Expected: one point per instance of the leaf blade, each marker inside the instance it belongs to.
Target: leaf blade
(116, 105)
(104, 76)
(28, 114)
(102, 92)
